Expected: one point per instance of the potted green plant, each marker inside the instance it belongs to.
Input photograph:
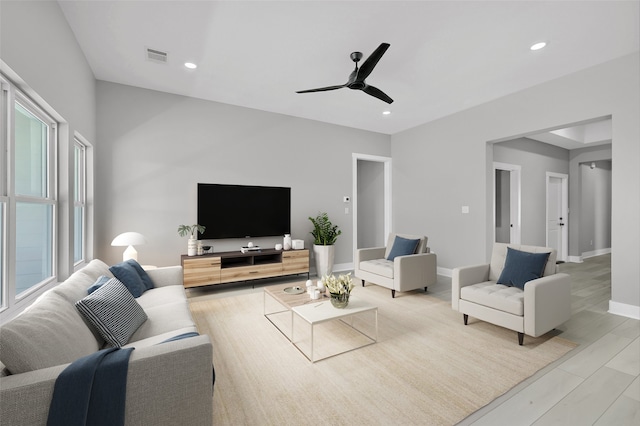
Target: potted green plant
(325, 235)
(192, 231)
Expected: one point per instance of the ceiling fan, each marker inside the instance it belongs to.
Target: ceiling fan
(357, 76)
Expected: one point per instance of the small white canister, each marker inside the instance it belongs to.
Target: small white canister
(286, 242)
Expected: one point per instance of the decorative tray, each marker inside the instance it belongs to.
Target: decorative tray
(294, 290)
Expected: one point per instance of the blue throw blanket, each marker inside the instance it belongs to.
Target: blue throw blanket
(92, 390)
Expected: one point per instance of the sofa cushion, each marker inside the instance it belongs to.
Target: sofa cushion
(131, 274)
(402, 247)
(521, 267)
(159, 338)
(381, 267)
(113, 311)
(162, 296)
(75, 287)
(163, 319)
(51, 332)
(496, 296)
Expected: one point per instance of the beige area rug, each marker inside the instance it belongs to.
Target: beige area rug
(427, 368)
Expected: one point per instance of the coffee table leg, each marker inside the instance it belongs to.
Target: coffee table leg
(312, 327)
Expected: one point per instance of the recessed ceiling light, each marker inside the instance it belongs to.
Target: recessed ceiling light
(190, 65)
(538, 46)
(387, 112)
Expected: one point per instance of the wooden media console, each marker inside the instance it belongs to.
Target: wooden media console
(233, 266)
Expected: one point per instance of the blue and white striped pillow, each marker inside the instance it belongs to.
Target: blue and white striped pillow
(113, 311)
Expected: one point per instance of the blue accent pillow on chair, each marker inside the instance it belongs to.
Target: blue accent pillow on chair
(521, 267)
(131, 274)
(402, 247)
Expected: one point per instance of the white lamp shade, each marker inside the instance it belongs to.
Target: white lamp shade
(129, 239)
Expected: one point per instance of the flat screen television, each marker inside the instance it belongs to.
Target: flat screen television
(242, 211)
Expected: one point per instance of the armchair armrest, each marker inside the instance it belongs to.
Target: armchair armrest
(165, 276)
(368, 254)
(547, 303)
(414, 271)
(465, 276)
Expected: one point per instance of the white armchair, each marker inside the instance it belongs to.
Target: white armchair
(541, 306)
(404, 272)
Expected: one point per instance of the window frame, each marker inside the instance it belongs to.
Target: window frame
(80, 196)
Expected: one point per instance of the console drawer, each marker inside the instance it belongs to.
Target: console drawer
(201, 271)
(251, 272)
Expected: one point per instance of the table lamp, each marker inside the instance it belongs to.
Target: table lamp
(129, 239)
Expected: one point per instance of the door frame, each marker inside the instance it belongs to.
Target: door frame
(564, 202)
(387, 194)
(515, 200)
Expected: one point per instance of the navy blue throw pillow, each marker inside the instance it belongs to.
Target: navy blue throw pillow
(402, 247)
(128, 274)
(521, 267)
(102, 280)
(146, 279)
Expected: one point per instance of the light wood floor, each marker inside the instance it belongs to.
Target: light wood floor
(595, 384)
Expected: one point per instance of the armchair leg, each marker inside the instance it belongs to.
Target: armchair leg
(362, 283)
(425, 289)
(393, 294)
(465, 318)
(520, 338)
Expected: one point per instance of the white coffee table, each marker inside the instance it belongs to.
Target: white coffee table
(315, 314)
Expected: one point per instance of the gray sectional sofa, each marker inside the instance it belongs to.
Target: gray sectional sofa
(168, 382)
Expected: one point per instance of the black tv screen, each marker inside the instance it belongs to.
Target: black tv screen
(241, 211)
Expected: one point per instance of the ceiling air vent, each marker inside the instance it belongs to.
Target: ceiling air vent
(156, 56)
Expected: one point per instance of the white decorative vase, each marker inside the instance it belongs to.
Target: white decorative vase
(324, 259)
(192, 247)
(286, 243)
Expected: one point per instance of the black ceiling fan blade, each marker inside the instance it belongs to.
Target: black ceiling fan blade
(372, 61)
(374, 91)
(322, 89)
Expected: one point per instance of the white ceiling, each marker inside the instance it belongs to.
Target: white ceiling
(598, 132)
(445, 56)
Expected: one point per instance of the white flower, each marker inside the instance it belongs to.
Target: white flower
(340, 285)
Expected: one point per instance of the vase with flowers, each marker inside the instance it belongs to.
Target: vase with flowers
(339, 288)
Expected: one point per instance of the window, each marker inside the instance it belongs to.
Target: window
(28, 143)
(34, 135)
(79, 202)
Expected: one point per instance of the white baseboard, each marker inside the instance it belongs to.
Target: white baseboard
(588, 254)
(445, 272)
(625, 310)
(337, 268)
(574, 259)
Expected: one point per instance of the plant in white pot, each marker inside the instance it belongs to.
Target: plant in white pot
(325, 235)
(192, 232)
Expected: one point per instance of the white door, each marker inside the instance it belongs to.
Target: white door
(506, 207)
(557, 202)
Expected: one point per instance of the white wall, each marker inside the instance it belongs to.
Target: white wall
(445, 164)
(155, 147)
(595, 208)
(535, 158)
(578, 231)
